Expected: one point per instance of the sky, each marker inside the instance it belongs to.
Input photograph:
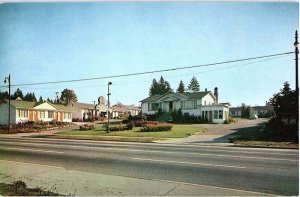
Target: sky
(43, 42)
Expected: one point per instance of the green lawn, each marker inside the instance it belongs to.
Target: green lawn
(178, 131)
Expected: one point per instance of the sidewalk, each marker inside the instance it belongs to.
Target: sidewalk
(78, 183)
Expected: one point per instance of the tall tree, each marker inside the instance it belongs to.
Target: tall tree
(41, 99)
(67, 96)
(154, 88)
(33, 97)
(30, 97)
(285, 103)
(194, 85)
(4, 95)
(160, 87)
(18, 93)
(180, 88)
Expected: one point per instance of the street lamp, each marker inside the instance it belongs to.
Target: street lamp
(296, 43)
(7, 79)
(108, 115)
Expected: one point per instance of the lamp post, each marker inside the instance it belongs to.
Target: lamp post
(7, 79)
(296, 43)
(108, 104)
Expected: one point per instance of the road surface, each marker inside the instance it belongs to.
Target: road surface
(151, 169)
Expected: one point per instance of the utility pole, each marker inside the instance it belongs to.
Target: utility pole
(108, 104)
(56, 97)
(296, 59)
(95, 108)
(296, 43)
(8, 80)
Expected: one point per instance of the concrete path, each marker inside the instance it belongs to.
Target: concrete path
(218, 133)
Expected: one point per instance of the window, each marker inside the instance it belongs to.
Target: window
(22, 113)
(195, 104)
(189, 104)
(204, 114)
(153, 106)
(216, 114)
(41, 114)
(220, 114)
(50, 114)
(67, 115)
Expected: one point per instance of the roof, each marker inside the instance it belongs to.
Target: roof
(189, 95)
(82, 105)
(151, 98)
(30, 105)
(123, 108)
(62, 107)
(196, 95)
(22, 104)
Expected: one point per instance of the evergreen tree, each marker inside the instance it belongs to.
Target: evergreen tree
(41, 99)
(194, 85)
(4, 95)
(33, 97)
(285, 103)
(180, 88)
(154, 88)
(18, 93)
(159, 88)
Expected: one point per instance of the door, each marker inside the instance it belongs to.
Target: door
(209, 116)
(61, 116)
(170, 106)
(56, 116)
(30, 115)
(35, 115)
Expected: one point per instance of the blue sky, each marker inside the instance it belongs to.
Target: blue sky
(43, 42)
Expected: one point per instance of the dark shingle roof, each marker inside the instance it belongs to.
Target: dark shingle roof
(151, 98)
(30, 105)
(189, 95)
(196, 95)
(82, 105)
(22, 104)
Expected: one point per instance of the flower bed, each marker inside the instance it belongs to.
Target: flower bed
(156, 127)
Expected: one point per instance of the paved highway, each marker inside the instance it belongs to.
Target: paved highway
(265, 171)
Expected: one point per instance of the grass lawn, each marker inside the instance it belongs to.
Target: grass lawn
(19, 188)
(178, 131)
(259, 137)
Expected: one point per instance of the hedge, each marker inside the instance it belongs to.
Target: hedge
(156, 127)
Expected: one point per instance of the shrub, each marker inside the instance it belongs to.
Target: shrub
(156, 127)
(119, 127)
(86, 127)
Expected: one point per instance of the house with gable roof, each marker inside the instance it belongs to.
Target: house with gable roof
(204, 104)
(24, 111)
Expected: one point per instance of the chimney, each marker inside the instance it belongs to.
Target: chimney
(216, 94)
(205, 89)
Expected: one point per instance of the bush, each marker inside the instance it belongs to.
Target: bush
(86, 127)
(230, 120)
(156, 127)
(119, 127)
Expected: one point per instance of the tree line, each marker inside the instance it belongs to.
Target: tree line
(65, 98)
(163, 86)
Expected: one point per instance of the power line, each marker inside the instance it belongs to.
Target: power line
(177, 76)
(150, 72)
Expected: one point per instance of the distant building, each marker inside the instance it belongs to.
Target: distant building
(260, 111)
(24, 111)
(123, 111)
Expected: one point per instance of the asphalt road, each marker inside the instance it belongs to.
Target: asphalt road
(270, 171)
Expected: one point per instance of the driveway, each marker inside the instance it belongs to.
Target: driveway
(218, 133)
